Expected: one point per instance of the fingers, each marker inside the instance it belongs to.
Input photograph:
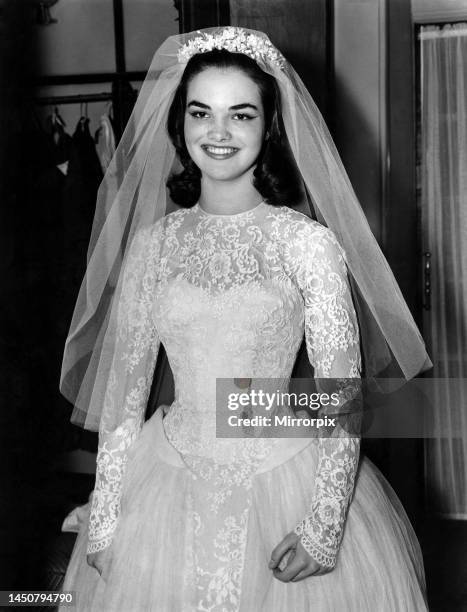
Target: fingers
(295, 564)
(298, 570)
(286, 559)
(294, 568)
(96, 567)
(105, 570)
(316, 570)
(98, 561)
(288, 543)
(301, 576)
(284, 562)
(308, 571)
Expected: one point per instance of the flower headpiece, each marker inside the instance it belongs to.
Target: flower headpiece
(235, 40)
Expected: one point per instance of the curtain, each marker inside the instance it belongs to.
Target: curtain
(443, 59)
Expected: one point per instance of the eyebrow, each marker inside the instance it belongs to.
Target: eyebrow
(234, 107)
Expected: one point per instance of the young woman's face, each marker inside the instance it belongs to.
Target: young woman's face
(224, 123)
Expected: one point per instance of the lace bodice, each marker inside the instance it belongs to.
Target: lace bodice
(229, 296)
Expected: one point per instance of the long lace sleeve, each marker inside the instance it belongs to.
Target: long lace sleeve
(332, 340)
(129, 382)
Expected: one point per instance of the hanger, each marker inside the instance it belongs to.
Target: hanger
(84, 119)
(83, 110)
(55, 125)
(57, 119)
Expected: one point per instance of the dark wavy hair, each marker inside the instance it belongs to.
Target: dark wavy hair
(275, 176)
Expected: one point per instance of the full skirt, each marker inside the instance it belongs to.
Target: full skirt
(379, 567)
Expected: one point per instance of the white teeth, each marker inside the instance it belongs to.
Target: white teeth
(220, 150)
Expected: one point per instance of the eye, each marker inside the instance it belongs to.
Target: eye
(198, 114)
(242, 117)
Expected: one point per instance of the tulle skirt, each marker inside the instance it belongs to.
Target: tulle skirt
(379, 566)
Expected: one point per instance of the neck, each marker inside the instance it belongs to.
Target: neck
(228, 197)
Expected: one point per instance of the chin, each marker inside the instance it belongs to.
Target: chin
(226, 173)
(223, 176)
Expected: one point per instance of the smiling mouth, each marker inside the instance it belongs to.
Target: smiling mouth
(219, 152)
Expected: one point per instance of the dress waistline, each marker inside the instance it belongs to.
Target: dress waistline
(284, 449)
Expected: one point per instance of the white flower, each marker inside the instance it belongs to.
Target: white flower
(329, 511)
(220, 265)
(193, 266)
(235, 40)
(230, 233)
(206, 245)
(189, 241)
(338, 476)
(314, 285)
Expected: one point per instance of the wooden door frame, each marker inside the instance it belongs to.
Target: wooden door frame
(401, 223)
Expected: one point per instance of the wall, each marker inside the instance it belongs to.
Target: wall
(82, 41)
(360, 99)
(438, 10)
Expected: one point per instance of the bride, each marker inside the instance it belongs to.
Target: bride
(182, 519)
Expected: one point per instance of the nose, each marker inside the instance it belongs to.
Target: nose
(218, 131)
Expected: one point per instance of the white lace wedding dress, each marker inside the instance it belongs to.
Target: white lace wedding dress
(190, 520)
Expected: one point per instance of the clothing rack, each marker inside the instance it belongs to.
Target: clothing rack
(74, 99)
(122, 95)
(88, 78)
(191, 16)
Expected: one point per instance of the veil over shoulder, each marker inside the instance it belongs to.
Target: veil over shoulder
(133, 196)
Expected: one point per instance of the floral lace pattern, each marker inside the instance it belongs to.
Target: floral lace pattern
(332, 341)
(321, 531)
(229, 296)
(137, 337)
(111, 463)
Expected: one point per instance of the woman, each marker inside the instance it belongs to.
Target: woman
(182, 519)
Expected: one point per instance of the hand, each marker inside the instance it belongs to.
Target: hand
(100, 561)
(290, 562)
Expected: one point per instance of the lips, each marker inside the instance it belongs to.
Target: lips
(219, 152)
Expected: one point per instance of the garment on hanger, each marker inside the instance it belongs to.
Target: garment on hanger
(60, 141)
(105, 141)
(82, 182)
(46, 146)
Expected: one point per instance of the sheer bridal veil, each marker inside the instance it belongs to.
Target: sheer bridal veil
(133, 196)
